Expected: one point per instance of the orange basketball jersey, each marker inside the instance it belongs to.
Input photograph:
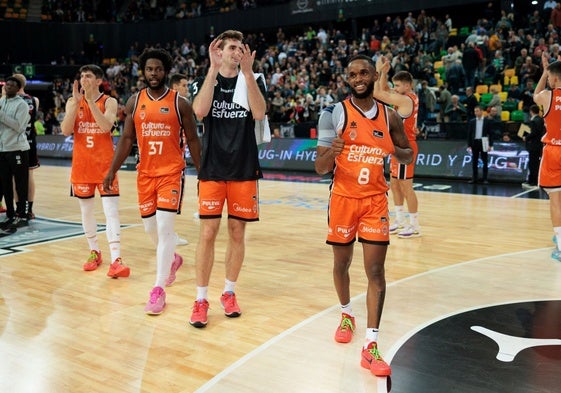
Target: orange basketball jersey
(410, 122)
(158, 133)
(93, 148)
(359, 169)
(552, 120)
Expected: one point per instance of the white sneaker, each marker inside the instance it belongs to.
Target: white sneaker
(179, 241)
(409, 232)
(396, 227)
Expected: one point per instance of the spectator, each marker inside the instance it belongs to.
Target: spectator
(456, 77)
(556, 16)
(444, 99)
(455, 111)
(471, 61)
(470, 102)
(495, 102)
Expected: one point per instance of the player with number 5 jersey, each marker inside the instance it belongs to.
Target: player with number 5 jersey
(90, 115)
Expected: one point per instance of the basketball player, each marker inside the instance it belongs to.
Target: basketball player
(550, 166)
(355, 137)
(156, 118)
(406, 103)
(33, 103)
(230, 167)
(90, 115)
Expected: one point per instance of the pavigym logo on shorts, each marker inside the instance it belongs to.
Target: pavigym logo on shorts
(344, 231)
(209, 204)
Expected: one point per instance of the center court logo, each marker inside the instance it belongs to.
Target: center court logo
(513, 348)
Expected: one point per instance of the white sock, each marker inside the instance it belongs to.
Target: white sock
(557, 231)
(229, 285)
(399, 214)
(166, 246)
(371, 336)
(414, 219)
(89, 224)
(347, 309)
(113, 225)
(202, 293)
(151, 228)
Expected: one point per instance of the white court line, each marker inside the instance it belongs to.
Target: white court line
(393, 350)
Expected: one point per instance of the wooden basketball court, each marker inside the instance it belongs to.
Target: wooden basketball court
(66, 330)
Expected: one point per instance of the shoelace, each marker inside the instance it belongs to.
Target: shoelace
(93, 257)
(346, 323)
(197, 306)
(375, 353)
(229, 300)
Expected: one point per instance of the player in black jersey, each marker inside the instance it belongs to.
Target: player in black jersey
(228, 101)
(33, 103)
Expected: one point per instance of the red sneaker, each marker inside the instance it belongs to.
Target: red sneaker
(117, 269)
(199, 314)
(231, 308)
(346, 329)
(372, 360)
(93, 261)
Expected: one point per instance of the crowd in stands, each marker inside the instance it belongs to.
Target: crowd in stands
(450, 64)
(81, 11)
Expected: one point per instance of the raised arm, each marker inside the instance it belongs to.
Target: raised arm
(383, 93)
(204, 94)
(542, 96)
(257, 103)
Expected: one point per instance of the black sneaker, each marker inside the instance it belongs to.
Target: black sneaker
(8, 223)
(7, 231)
(20, 222)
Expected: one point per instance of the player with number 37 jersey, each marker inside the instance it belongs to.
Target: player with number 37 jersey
(158, 129)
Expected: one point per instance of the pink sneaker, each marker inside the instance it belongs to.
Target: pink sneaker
(177, 262)
(157, 301)
(231, 308)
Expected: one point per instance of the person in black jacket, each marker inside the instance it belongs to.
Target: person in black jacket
(479, 128)
(534, 146)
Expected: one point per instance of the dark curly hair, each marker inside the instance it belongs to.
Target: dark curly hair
(156, 53)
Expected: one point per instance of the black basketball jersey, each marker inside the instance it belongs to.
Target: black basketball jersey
(32, 104)
(229, 149)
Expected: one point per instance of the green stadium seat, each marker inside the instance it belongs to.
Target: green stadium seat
(517, 115)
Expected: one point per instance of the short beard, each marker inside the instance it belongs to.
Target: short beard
(159, 86)
(367, 93)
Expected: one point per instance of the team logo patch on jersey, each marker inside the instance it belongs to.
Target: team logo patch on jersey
(377, 134)
(164, 110)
